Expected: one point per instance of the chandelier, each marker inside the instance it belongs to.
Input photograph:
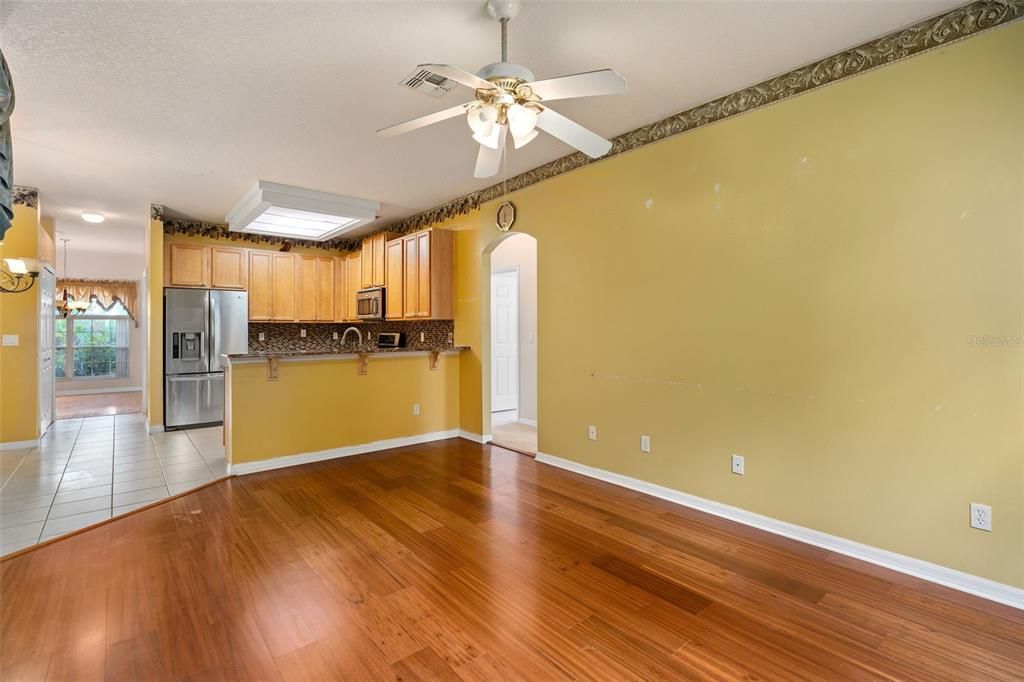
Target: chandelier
(65, 305)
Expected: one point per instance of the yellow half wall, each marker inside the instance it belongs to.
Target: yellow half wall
(317, 405)
(830, 286)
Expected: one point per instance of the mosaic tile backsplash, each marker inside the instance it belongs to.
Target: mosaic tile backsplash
(286, 337)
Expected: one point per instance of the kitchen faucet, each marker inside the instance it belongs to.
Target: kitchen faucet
(359, 335)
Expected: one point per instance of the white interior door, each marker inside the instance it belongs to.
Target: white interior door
(46, 285)
(504, 340)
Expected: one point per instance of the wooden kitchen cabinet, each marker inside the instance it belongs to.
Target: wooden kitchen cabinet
(305, 288)
(314, 286)
(229, 268)
(353, 277)
(325, 289)
(394, 287)
(374, 269)
(260, 285)
(283, 279)
(188, 265)
(340, 290)
(427, 275)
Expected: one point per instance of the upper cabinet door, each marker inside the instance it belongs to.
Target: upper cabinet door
(229, 268)
(422, 305)
(394, 289)
(411, 277)
(324, 289)
(189, 266)
(380, 268)
(353, 273)
(283, 287)
(366, 267)
(340, 290)
(306, 288)
(260, 278)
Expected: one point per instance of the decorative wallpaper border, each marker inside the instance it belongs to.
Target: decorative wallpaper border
(956, 24)
(25, 196)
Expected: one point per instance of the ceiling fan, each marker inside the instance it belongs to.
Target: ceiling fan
(509, 100)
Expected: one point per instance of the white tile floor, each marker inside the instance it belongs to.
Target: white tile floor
(87, 470)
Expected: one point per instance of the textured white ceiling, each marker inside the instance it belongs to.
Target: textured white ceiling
(187, 104)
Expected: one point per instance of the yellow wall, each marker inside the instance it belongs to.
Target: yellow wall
(154, 323)
(19, 314)
(801, 285)
(322, 404)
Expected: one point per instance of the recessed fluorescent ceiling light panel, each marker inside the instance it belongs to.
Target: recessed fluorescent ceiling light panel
(297, 213)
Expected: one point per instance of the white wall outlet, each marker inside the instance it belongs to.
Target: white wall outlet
(335, 335)
(416, 409)
(423, 337)
(737, 464)
(981, 516)
(302, 333)
(11, 339)
(645, 443)
(592, 432)
(263, 337)
(451, 338)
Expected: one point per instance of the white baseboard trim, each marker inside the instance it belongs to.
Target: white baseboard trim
(243, 468)
(92, 391)
(958, 580)
(19, 444)
(475, 437)
(155, 428)
(529, 422)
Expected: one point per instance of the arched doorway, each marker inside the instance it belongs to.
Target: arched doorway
(513, 343)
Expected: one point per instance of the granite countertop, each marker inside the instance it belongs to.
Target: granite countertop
(339, 353)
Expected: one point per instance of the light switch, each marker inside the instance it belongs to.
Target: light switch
(11, 339)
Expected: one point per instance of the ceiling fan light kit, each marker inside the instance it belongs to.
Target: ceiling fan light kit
(507, 99)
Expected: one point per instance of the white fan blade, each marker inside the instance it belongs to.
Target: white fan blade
(459, 76)
(422, 121)
(488, 160)
(573, 134)
(588, 84)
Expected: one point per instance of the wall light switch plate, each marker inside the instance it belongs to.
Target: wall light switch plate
(302, 333)
(592, 432)
(416, 409)
(645, 443)
(737, 464)
(423, 337)
(11, 339)
(981, 516)
(263, 337)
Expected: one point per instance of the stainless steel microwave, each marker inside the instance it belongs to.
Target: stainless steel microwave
(370, 304)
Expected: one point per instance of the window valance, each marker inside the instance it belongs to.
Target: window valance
(106, 292)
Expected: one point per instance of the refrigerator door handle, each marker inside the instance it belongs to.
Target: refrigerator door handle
(210, 329)
(190, 377)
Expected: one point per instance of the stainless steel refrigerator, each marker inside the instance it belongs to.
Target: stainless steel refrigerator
(200, 325)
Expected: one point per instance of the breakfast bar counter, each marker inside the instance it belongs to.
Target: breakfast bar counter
(295, 407)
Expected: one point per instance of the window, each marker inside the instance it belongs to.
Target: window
(92, 345)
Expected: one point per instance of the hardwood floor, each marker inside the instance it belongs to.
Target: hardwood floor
(97, 404)
(454, 560)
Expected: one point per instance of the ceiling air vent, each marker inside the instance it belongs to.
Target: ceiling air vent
(428, 82)
(297, 213)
